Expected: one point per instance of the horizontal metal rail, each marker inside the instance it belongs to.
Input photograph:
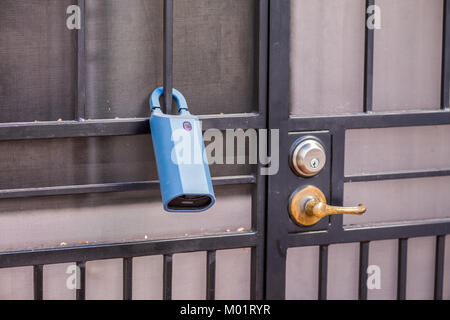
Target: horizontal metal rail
(414, 229)
(129, 250)
(397, 175)
(110, 187)
(368, 121)
(116, 127)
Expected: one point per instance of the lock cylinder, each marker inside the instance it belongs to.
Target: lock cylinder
(308, 157)
(185, 179)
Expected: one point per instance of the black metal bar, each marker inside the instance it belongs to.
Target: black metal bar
(372, 233)
(125, 127)
(81, 64)
(167, 277)
(279, 77)
(258, 223)
(135, 249)
(398, 175)
(363, 265)
(402, 268)
(168, 55)
(363, 121)
(81, 281)
(113, 127)
(259, 191)
(110, 187)
(263, 45)
(368, 62)
(439, 268)
(445, 85)
(211, 275)
(323, 272)
(127, 278)
(38, 280)
(337, 177)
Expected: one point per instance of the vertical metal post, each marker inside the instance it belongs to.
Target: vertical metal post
(277, 218)
(363, 265)
(368, 62)
(337, 177)
(168, 54)
(439, 268)
(259, 190)
(167, 277)
(445, 85)
(262, 45)
(258, 223)
(38, 282)
(402, 268)
(81, 64)
(211, 275)
(81, 290)
(127, 278)
(323, 272)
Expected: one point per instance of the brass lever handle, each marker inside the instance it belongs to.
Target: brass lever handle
(322, 210)
(309, 205)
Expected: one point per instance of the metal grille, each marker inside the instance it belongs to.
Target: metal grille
(269, 238)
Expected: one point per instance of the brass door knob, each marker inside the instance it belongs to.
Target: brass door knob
(309, 205)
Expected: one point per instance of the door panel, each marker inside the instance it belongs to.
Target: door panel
(343, 271)
(80, 182)
(403, 200)
(148, 270)
(306, 68)
(194, 286)
(81, 161)
(214, 56)
(408, 55)
(378, 151)
(55, 281)
(237, 284)
(16, 283)
(384, 254)
(421, 258)
(115, 217)
(302, 272)
(37, 62)
(376, 157)
(327, 46)
(101, 275)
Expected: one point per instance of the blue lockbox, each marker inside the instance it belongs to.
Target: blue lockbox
(183, 170)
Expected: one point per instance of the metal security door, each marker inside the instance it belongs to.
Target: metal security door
(117, 60)
(333, 131)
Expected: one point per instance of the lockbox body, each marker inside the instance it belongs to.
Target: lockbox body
(184, 175)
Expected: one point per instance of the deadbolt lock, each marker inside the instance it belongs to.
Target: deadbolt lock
(308, 157)
(309, 205)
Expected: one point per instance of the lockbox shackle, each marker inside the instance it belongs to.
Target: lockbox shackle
(155, 105)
